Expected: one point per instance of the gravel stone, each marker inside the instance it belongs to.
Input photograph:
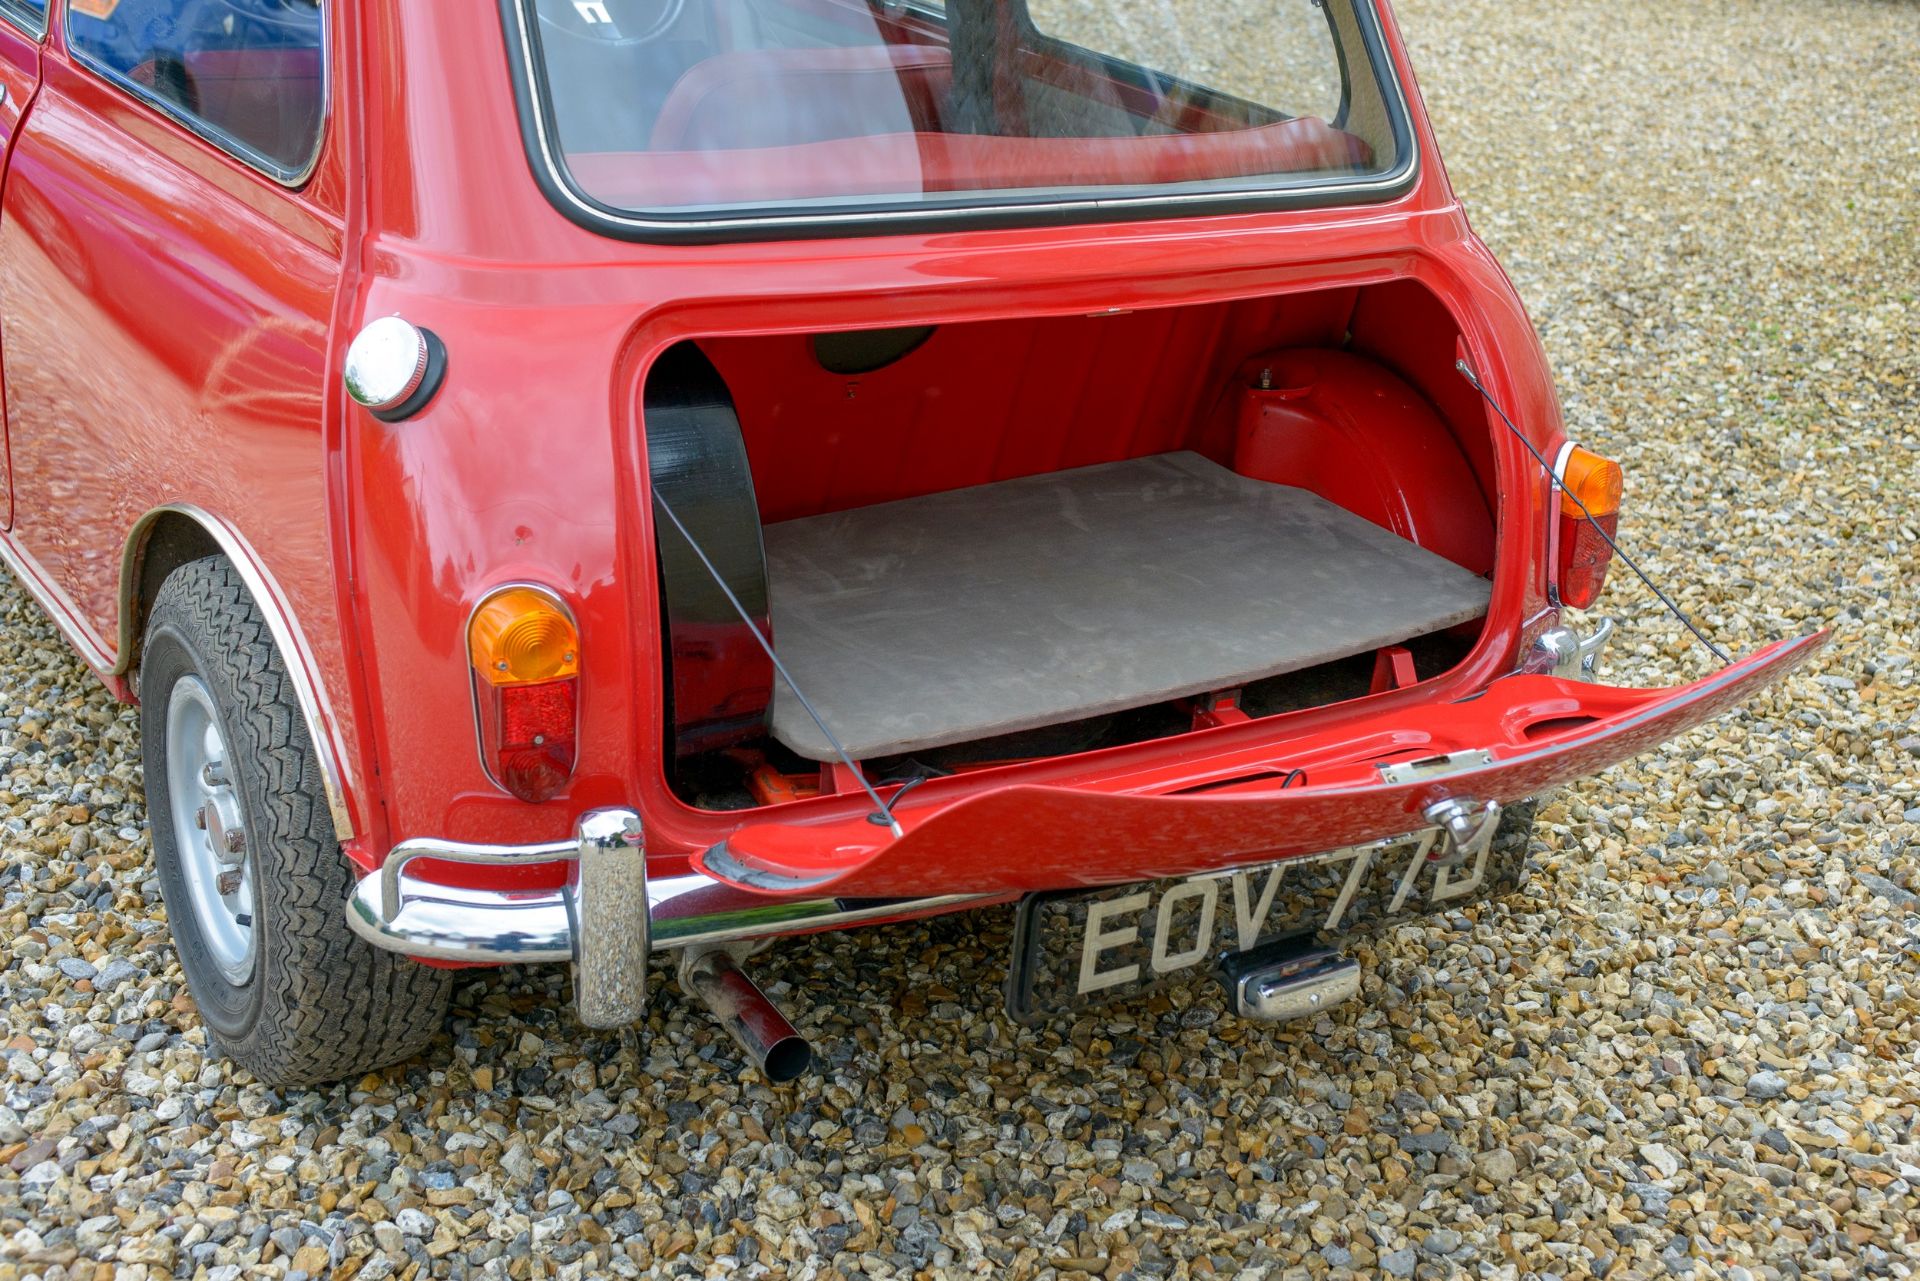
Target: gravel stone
(75, 968)
(1399, 1263)
(114, 973)
(1496, 1166)
(1690, 1044)
(1886, 889)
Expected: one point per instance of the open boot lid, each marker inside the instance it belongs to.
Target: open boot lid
(1367, 779)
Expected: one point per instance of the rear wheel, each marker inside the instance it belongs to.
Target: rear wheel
(248, 859)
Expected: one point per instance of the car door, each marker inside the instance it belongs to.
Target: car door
(170, 249)
(23, 25)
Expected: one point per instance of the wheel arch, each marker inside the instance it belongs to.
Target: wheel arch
(174, 534)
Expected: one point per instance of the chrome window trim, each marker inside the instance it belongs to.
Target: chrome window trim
(25, 20)
(551, 174)
(292, 179)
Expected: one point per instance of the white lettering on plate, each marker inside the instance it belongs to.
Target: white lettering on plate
(1097, 939)
(1445, 887)
(1414, 864)
(1104, 931)
(1362, 859)
(1208, 892)
(1249, 921)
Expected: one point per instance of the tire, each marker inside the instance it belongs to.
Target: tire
(285, 989)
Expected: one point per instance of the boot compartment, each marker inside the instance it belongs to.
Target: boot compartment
(998, 541)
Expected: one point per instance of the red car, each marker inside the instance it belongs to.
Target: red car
(580, 479)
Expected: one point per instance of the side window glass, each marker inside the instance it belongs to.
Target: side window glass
(247, 74)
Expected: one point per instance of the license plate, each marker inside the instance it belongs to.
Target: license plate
(1077, 948)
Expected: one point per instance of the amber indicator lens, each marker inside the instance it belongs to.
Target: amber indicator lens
(1595, 481)
(521, 636)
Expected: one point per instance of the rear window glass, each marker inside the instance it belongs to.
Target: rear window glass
(246, 74)
(1283, 56)
(687, 108)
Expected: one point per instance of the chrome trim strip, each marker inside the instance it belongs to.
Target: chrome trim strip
(281, 625)
(26, 20)
(1553, 519)
(1560, 464)
(560, 179)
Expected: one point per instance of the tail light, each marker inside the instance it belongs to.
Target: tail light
(526, 676)
(1585, 554)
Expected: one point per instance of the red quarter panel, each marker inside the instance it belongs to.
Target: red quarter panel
(19, 79)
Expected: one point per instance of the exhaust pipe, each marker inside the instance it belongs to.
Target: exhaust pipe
(753, 1020)
(1286, 981)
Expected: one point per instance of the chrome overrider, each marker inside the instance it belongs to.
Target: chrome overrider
(606, 920)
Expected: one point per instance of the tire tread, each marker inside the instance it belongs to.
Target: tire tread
(333, 1004)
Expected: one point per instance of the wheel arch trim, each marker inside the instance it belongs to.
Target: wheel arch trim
(288, 638)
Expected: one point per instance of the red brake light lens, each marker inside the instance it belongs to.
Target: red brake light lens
(536, 750)
(1585, 556)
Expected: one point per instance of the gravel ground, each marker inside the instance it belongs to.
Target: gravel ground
(1690, 1045)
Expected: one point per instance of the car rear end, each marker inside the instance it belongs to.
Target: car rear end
(1066, 494)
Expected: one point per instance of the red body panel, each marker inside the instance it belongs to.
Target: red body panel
(167, 314)
(189, 322)
(1358, 436)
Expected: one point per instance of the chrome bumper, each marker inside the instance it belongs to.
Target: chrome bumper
(606, 920)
